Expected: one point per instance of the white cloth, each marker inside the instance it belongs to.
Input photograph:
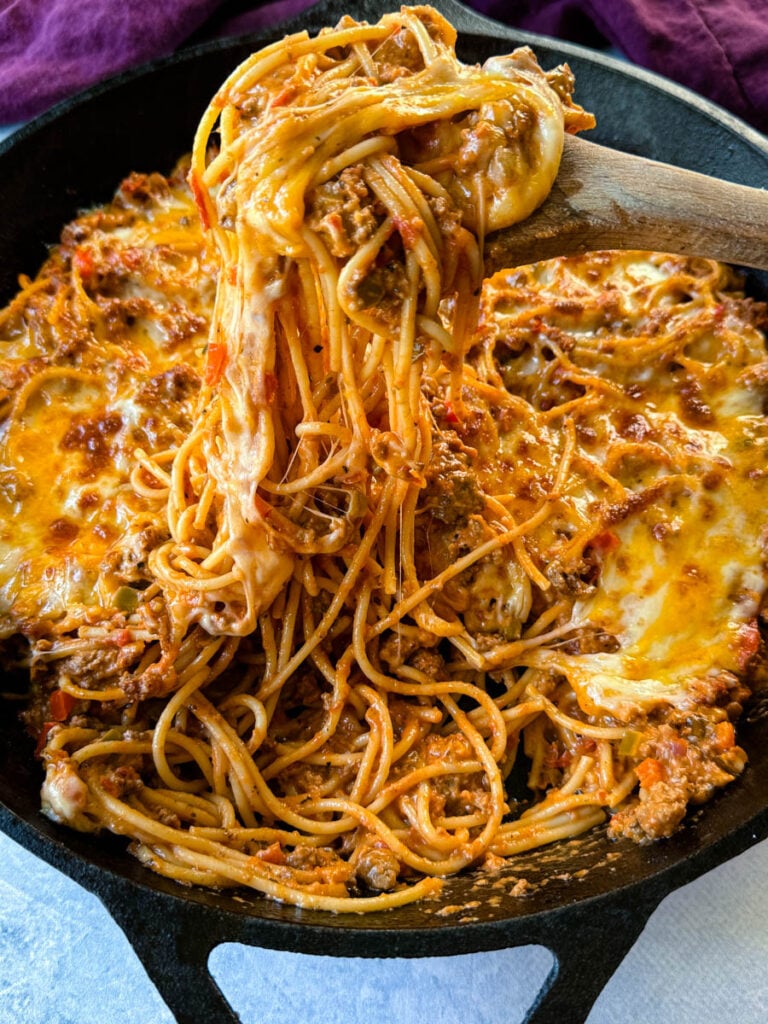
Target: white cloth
(701, 958)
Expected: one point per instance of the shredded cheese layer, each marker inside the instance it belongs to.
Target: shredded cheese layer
(315, 544)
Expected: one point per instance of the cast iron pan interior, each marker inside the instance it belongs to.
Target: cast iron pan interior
(75, 157)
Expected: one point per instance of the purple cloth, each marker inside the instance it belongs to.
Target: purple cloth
(52, 48)
(719, 48)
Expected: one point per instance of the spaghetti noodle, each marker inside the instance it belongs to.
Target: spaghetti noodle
(397, 531)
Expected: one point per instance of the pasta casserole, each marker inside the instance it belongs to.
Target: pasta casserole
(316, 542)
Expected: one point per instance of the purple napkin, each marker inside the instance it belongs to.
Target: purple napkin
(719, 48)
(52, 48)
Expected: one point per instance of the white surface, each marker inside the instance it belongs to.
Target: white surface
(701, 959)
(7, 129)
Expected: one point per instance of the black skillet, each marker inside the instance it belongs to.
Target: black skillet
(143, 120)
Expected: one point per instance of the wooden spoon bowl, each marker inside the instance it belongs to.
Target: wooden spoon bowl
(605, 199)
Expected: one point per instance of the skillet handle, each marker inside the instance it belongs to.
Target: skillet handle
(173, 948)
(588, 943)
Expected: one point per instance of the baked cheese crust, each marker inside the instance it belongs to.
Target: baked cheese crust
(613, 404)
(101, 358)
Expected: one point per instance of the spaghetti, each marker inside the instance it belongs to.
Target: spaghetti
(395, 532)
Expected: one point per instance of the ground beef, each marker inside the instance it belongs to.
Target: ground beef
(344, 211)
(396, 649)
(662, 810)
(376, 866)
(173, 386)
(128, 556)
(452, 490)
(325, 865)
(677, 766)
(94, 437)
(397, 56)
(122, 781)
(449, 794)
(429, 661)
(142, 189)
(92, 665)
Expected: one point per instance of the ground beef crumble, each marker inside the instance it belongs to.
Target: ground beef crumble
(678, 765)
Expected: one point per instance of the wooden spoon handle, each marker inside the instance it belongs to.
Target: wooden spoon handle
(606, 199)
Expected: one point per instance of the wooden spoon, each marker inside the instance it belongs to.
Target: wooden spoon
(605, 199)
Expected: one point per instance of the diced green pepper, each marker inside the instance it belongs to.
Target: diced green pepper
(126, 599)
(630, 742)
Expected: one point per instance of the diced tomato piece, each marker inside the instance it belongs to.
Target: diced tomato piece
(606, 541)
(215, 363)
(82, 261)
(284, 97)
(273, 854)
(409, 230)
(747, 643)
(123, 637)
(725, 735)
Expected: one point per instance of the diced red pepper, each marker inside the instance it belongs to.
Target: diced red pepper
(450, 413)
(215, 363)
(61, 705)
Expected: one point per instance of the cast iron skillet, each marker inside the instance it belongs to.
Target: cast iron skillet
(75, 156)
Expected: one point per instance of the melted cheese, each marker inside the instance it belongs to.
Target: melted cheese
(101, 356)
(678, 424)
(679, 607)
